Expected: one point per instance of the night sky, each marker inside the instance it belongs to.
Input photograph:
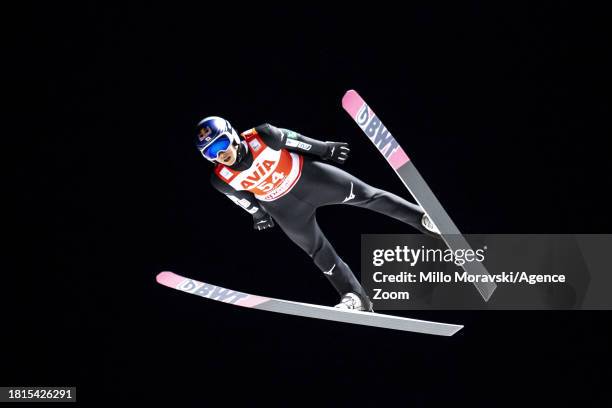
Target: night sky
(504, 109)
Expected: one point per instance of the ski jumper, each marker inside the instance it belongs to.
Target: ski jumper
(277, 173)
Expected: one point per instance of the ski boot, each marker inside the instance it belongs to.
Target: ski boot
(352, 301)
(429, 225)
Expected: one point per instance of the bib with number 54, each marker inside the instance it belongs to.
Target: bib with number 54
(272, 174)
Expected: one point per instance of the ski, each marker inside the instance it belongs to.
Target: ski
(234, 297)
(371, 125)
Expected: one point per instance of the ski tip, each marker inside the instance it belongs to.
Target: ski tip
(168, 278)
(352, 102)
(349, 93)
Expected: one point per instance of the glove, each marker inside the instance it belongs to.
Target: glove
(262, 223)
(337, 152)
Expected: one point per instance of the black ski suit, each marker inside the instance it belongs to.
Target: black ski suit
(320, 184)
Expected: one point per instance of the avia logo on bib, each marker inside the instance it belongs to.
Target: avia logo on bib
(260, 173)
(271, 175)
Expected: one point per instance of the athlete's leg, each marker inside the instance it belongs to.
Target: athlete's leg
(324, 184)
(297, 219)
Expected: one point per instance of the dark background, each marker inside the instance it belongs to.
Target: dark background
(504, 109)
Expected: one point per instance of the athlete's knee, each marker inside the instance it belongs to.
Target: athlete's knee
(324, 255)
(371, 195)
(316, 252)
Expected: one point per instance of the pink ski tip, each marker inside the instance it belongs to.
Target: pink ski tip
(168, 278)
(349, 94)
(352, 102)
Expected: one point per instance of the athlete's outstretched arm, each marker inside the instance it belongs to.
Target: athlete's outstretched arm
(278, 138)
(245, 200)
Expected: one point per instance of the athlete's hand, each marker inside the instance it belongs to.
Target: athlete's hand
(262, 223)
(337, 152)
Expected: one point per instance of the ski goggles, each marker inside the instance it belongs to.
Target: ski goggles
(221, 143)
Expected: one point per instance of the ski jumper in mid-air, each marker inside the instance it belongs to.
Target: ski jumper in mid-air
(279, 175)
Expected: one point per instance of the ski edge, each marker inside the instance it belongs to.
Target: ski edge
(353, 103)
(175, 281)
